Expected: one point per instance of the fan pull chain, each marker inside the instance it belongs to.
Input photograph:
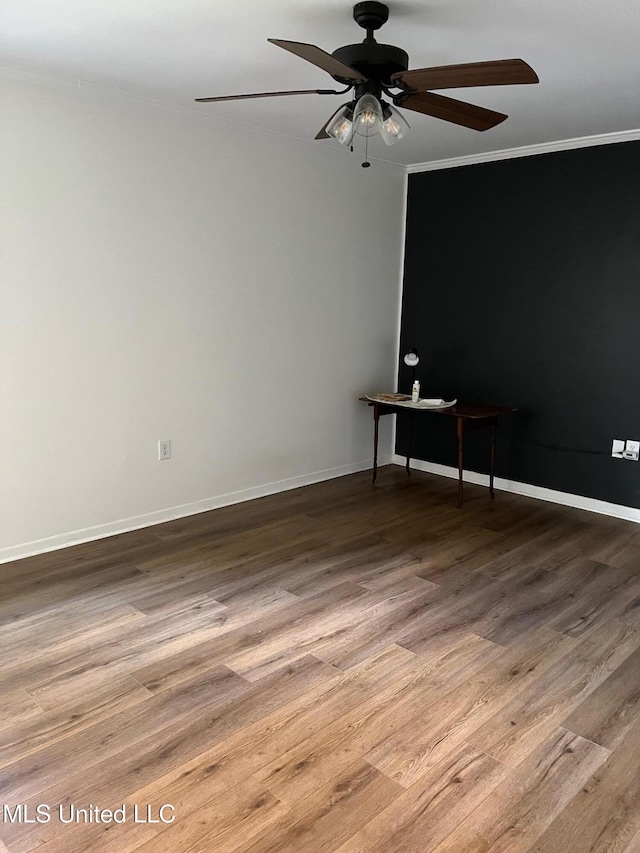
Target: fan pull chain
(366, 163)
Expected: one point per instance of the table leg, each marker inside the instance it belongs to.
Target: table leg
(494, 427)
(376, 421)
(460, 431)
(409, 447)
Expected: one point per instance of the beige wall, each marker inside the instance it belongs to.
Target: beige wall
(167, 276)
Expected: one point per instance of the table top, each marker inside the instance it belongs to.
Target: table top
(460, 409)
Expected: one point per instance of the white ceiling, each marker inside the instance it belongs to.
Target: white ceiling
(586, 53)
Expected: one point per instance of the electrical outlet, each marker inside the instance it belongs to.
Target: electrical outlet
(164, 449)
(628, 449)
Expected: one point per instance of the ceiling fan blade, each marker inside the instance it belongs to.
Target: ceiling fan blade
(500, 72)
(448, 109)
(322, 59)
(269, 95)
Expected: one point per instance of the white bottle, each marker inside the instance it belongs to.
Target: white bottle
(415, 391)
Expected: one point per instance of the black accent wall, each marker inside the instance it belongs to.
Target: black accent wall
(522, 288)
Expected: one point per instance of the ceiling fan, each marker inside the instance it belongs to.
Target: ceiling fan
(371, 69)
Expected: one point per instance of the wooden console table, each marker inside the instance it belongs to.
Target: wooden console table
(468, 416)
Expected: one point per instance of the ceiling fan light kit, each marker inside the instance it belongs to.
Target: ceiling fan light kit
(394, 127)
(367, 116)
(340, 126)
(372, 70)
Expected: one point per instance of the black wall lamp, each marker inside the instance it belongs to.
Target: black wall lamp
(412, 359)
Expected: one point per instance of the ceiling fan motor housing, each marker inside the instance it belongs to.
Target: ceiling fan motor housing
(375, 61)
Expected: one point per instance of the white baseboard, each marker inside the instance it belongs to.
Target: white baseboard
(124, 525)
(627, 513)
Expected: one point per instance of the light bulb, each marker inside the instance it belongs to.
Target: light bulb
(394, 125)
(343, 131)
(368, 118)
(368, 115)
(341, 127)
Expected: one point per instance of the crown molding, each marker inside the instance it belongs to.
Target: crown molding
(527, 151)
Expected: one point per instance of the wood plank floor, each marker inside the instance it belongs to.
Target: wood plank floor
(336, 668)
